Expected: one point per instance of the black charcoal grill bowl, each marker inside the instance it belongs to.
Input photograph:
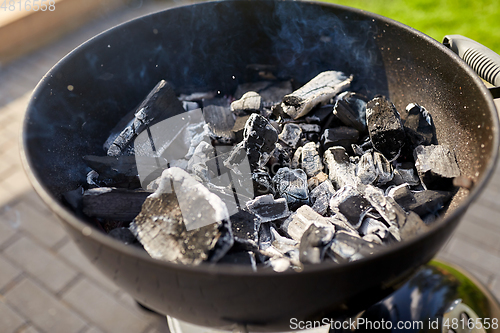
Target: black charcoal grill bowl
(210, 46)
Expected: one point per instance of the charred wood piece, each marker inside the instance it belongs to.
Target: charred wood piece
(317, 91)
(250, 102)
(346, 247)
(298, 222)
(350, 109)
(320, 197)
(291, 184)
(311, 161)
(413, 226)
(314, 243)
(260, 138)
(267, 208)
(436, 166)
(340, 170)
(419, 126)
(161, 103)
(220, 121)
(113, 203)
(339, 136)
(245, 227)
(291, 134)
(351, 204)
(385, 127)
(274, 94)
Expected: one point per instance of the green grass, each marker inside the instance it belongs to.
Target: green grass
(476, 19)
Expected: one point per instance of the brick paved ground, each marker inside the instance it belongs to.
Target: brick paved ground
(46, 285)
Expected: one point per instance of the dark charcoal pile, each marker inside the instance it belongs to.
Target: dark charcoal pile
(269, 176)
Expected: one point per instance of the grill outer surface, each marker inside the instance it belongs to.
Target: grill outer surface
(202, 47)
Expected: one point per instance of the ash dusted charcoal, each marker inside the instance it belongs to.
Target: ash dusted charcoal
(339, 136)
(346, 247)
(298, 222)
(291, 184)
(314, 243)
(220, 121)
(283, 244)
(421, 202)
(297, 156)
(371, 226)
(363, 148)
(161, 103)
(113, 203)
(322, 115)
(310, 128)
(313, 182)
(351, 204)
(245, 227)
(405, 176)
(250, 102)
(413, 226)
(234, 158)
(340, 170)
(260, 138)
(161, 230)
(199, 206)
(311, 161)
(263, 184)
(267, 208)
(385, 171)
(436, 166)
(190, 106)
(246, 258)
(291, 134)
(385, 127)
(401, 194)
(124, 235)
(320, 197)
(279, 159)
(350, 109)
(203, 152)
(419, 127)
(366, 170)
(317, 91)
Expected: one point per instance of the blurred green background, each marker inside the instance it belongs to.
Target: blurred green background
(476, 19)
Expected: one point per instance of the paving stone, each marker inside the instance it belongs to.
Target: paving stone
(7, 230)
(7, 272)
(103, 309)
(72, 254)
(482, 236)
(43, 309)
(10, 321)
(28, 329)
(43, 228)
(93, 330)
(40, 263)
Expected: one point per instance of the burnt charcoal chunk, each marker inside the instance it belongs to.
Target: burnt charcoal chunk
(385, 127)
(422, 202)
(113, 203)
(245, 227)
(349, 248)
(372, 226)
(413, 226)
(405, 176)
(350, 109)
(250, 102)
(220, 121)
(340, 170)
(339, 136)
(265, 236)
(314, 243)
(366, 170)
(322, 115)
(117, 168)
(161, 230)
(298, 222)
(351, 204)
(291, 134)
(319, 90)
(311, 161)
(291, 185)
(320, 197)
(279, 159)
(263, 184)
(267, 208)
(313, 182)
(385, 172)
(260, 137)
(419, 126)
(161, 103)
(436, 166)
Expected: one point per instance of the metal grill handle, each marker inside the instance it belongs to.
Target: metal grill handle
(485, 62)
